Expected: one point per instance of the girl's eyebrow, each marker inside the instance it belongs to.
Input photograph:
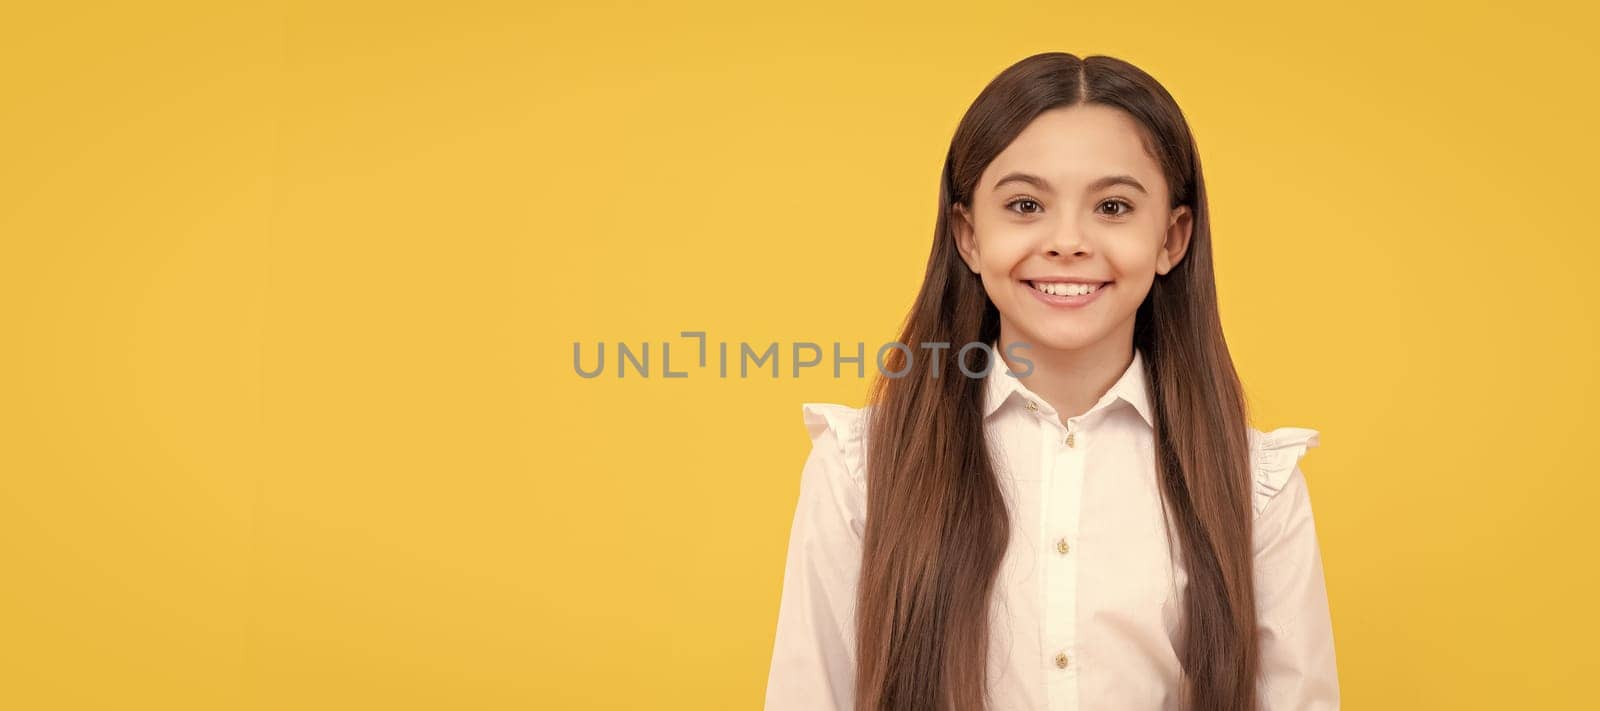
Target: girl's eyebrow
(1111, 180)
(1097, 185)
(1033, 180)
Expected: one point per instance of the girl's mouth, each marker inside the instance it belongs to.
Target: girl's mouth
(1066, 294)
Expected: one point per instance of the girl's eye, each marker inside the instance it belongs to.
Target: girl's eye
(1031, 204)
(1126, 208)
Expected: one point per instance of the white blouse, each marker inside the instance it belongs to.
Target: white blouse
(1089, 600)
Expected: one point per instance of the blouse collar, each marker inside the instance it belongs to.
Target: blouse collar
(1131, 388)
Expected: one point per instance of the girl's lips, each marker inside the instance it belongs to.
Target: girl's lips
(1068, 302)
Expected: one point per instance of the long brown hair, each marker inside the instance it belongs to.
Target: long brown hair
(937, 527)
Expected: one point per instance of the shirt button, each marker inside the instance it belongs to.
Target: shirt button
(1061, 660)
(1062, 547)
(1033, 406)
(1070, 440)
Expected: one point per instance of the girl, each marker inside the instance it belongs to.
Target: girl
(1092, 524)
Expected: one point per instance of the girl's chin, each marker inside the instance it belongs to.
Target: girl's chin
(1052, 337)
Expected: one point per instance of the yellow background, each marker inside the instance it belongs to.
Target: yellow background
(288, 418)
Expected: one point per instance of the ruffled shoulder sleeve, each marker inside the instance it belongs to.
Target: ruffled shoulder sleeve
(813, 651)
(1274, 456)
(847, 425)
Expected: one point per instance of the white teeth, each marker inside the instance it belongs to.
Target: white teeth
(1065, 289)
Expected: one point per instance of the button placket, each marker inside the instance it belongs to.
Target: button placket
(1059, 630)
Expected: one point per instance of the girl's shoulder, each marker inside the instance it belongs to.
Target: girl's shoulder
(1275, 459)
(840, 432)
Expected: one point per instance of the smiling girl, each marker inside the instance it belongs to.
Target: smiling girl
(1099, 528)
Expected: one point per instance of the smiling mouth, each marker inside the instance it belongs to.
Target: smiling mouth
(1066, 288)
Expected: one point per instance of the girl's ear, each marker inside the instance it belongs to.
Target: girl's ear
(1180, 227)
(966, 241)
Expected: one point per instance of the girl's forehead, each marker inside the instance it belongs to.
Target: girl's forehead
(1076, 145)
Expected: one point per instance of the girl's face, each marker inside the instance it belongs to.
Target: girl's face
(1069, 226)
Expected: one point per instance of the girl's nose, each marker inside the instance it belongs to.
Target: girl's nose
(1067, 238)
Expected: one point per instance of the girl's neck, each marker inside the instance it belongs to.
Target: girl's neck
(1072, 381)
